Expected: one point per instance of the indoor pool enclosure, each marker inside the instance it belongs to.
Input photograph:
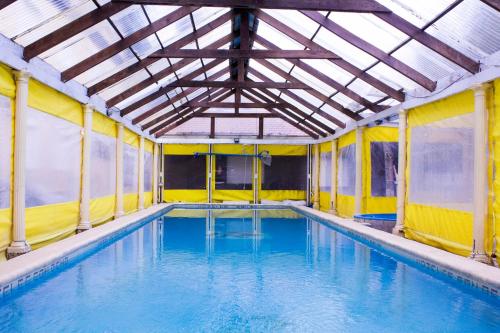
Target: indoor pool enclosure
(257, 166)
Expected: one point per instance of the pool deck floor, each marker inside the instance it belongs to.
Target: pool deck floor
(19, 270)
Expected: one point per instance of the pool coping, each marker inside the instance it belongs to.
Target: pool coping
(17, 271)
(466, 270)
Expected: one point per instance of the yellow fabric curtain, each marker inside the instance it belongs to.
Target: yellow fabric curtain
(281, 150)
(492, 232)
(345, 203)
(434, 223)
(325, 149)
(194, 196)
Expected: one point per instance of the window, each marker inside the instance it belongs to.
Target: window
(185, 172)
(102, 166)
(130, 169)
(325, 172)
(233, 172)
(441, 165)
(285, 173)
(5, 150)
(384, 165)
(347, 170)
(148, 172)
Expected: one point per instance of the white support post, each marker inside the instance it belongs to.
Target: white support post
(317, 158)
(480, 172)
(162, 171)
(155, 174)
(85, 193)
(401, 180)
(256, 175)
(358, 194)
(210, 172)
(140, 204)
(19, 245)
(119, 172)
(333, 182)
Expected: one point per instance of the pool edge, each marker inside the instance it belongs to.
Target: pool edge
(479, 275)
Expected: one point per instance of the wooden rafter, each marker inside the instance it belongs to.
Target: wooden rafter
(356, 6)
(73, 28)
(297, 114)
(143, 63)
(235, 115)
(229, 105)
(325, 78)
(312, 91)
(5, 3)
(185, 94)
(156, 78)
(495, 4)
(245, 54)
(236, 84)
(125, 43)
(359, 73)
(372, 50)
(293, 112)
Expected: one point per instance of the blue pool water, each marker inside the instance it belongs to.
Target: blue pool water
(265, 271)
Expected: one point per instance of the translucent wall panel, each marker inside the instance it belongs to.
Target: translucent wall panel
(347, 170)
(185, 172)
(233, 172)
(102, 166)
(285, 173)
(441, 163)
(325, 172)
(53, 160)
(5, 150)
(148, 171)
(384, 164)
(130, 169)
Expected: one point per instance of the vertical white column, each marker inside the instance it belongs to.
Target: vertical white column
(119, 172)
(155, 174)
(162, 171)
(480, 209)
(333, 183)
(358, 193)
(317, 158)
(141, 173)
(401, 180)
(256, 175)
(85, 194)
(210, 172)
(19, 245)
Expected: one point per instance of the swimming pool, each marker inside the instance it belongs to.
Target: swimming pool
(244, 270)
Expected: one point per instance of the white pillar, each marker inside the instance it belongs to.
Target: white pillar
(85, 194)
(210, 172)
(333, 183)
(317, 158)
(155, 174)
(256, 175)
(401, 180)
(480, 209)
(141, 173)
(119, 172)
(19, 245)
(358, 194)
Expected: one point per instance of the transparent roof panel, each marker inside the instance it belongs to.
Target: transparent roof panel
(35, 14)
(294, 19)
(391, 77)
(346, 102)
(277, 38)
(329, 68)
(271, 75)
(461, 30)
(192, 127)
(130, 20)
(175, 31)
(234, 126)
(343, 49)
(335, 113)
(312, 81)
(214, 35)
(155, 12)
(81, 46)
(147, 107)
(123, 85)
(107, 68)
(136, 97)
(367, 91)
(370, 28)
(307, 97)
(419, 13)
(279, 127)
(36, 20)
(425, 61)
(158, 66)
(205, 15)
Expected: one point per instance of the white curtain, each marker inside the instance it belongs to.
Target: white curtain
(5, 150)
(325, 172)
(441, 163)
(347, 170)
(130, 169)
(53, 159)
(102, 166)
(148, 172)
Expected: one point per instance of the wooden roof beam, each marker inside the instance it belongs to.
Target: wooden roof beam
(244, 54)
(125, 43)
(372, 50)
(357, 72)
(354, 6)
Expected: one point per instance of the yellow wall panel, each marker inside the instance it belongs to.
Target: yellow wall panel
(130, 201)
(102, 209)
(5, 228)
(7, 82)
(194, 196)
(184, 149)
(324, 201)
(148, 199)
(345, 205)
(103, 125)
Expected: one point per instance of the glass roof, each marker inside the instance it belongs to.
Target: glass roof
(365, 52)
